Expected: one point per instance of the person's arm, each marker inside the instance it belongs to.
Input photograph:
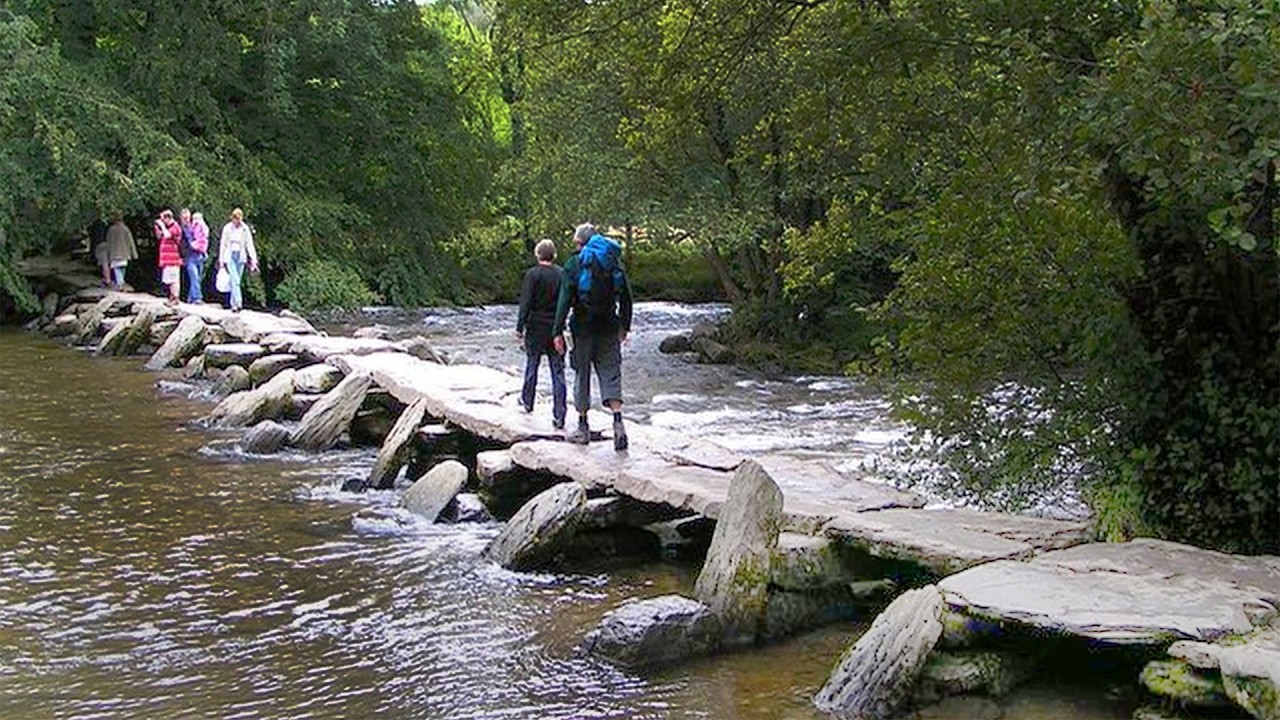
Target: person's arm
(133, 245)
(624, 305)
(566, 295)
(526, 299)
(250, 249)
(222, 245)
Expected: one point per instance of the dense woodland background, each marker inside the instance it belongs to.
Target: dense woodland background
(1051, 224)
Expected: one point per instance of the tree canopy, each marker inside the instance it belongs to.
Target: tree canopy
(1051, 225)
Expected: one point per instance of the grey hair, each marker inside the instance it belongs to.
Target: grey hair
(545, 251)
(583, 232)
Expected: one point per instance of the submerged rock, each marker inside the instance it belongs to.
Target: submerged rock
(430, 495)
(955, 708)
(656, 631)
(537, 532)
(874, 678)
(675, 344)
(734, 582)
(265, 438)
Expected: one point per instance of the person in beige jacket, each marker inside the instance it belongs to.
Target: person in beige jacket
(120, 249)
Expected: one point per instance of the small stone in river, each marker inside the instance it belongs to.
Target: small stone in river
(354, 485)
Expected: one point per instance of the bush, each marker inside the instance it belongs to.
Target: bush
(325, 285)
(671, 271)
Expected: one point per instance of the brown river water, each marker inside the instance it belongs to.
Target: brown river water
(149, 571)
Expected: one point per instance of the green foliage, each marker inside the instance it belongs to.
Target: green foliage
(325, 285)
(338, 126)
(1054, 221)
(15, 289)
(661, 270)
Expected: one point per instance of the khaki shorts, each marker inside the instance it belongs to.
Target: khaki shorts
(170, 275)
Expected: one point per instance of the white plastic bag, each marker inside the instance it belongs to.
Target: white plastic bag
(223, 280)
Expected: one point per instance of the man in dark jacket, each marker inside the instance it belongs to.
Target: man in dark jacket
(595, 288)
(535, 322)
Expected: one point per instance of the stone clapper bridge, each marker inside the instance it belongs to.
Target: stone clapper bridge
(789, 544)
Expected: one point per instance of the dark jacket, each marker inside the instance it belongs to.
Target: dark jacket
(619, 321)
(538, 296)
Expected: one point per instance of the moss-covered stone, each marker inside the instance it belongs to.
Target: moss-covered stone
(955, 673)
(1258, 696)
(1179, 681)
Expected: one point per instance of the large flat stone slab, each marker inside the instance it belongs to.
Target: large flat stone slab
(948, 541)
(1140, 592)
(247, 325)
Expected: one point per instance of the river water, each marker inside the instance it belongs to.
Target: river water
(147, 570)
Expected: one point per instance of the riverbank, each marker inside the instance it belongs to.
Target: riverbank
(857, 532)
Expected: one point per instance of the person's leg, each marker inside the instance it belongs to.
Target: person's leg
(193, 263)
(532, 360)
(581, 361)
(558, 410)
(608, 361)
(117, 274)
(234, 269)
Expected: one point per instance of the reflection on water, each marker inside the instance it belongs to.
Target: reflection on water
(149, 570)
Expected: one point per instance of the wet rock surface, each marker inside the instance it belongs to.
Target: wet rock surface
(537, 532)
(874, 678)
(265, 438)
(653, 632)
(331, 416)
(432, 493)
(734, 582)
(1140, 592)
(249, 407)
(185, 341)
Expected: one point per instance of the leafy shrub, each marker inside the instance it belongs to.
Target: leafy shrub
(325, 285)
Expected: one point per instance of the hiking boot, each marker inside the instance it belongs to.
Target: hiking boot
(619, 435)
(557, 424)
(581, 436)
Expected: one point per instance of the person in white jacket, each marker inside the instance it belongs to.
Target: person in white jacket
(235, 251)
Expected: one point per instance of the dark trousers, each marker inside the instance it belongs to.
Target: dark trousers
(534, 349)
(603, 351)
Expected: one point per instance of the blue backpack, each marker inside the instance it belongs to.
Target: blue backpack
(599, 277)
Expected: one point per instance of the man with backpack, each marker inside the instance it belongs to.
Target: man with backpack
(595, 288)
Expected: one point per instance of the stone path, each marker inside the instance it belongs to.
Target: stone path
(662, 466)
